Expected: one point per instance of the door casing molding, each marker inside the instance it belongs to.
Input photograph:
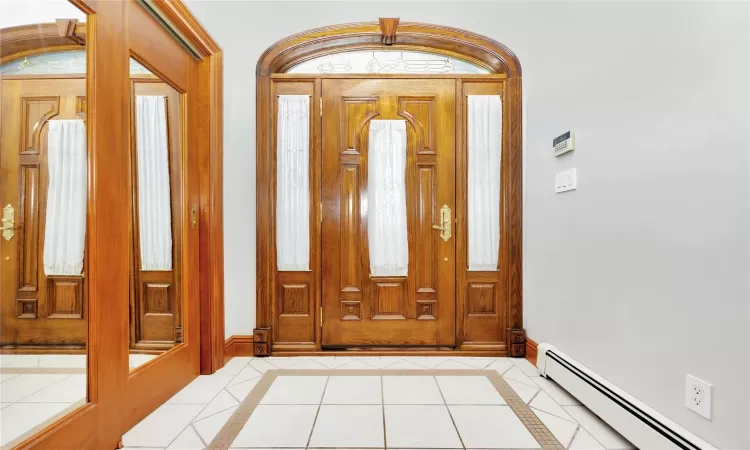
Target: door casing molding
(503, 66)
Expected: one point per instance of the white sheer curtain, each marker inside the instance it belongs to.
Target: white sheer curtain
(293, 183)
(485, 133)
(386, 198)
(65, 225)
(154, 198)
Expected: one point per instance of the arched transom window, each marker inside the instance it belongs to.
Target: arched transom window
(65, 62)
(391, 61)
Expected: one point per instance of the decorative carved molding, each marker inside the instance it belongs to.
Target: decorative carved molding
(516, 342)
(67, 28)
(388, 28)
(26, 308)
(412, 36)
(28, 40)
(261, 342)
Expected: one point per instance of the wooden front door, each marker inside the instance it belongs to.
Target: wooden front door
(37, 309)
(417, 308)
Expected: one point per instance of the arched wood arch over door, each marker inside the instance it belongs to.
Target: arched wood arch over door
(487, 310)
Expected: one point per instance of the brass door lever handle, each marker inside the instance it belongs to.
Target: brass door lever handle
(9, 222)
(445, 223)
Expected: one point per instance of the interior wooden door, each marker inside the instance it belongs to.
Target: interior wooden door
(38, 310)
(168, 300)
(416, 309)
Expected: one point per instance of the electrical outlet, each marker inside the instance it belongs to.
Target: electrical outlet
(698, 396)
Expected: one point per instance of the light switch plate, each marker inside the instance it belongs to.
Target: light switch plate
(566, 180)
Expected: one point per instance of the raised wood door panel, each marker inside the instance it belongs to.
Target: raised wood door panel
(37, 310)
(482, 295)
(155, 296)
(359, 309)
(294, 311)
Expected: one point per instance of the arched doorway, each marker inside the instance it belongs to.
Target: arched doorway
(426, 256)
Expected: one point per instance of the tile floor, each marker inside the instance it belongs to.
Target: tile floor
(38, 394)
(375, 411)
(60, 361)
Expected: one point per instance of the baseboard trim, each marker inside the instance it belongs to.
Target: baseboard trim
(238, 345)
(242, 345)
(531, 351)
(393, 352)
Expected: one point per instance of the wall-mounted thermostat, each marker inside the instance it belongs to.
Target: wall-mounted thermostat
(564, 143)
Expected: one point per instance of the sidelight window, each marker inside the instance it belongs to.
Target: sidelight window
(485, 135)
(293, 183)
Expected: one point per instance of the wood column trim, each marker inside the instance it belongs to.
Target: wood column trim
(513, 202)
(265, 250)
(211, 220)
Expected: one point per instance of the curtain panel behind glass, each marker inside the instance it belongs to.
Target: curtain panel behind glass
(485, 136)
(293, 183)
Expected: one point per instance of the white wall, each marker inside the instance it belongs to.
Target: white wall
(26, 12)
(642, 273)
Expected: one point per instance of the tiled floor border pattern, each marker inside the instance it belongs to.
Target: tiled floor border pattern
(232, 427)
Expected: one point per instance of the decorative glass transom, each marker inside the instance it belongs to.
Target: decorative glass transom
(67, 62)
(387, 62)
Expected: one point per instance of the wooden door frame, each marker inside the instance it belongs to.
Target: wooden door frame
(107, 415)
(411, 36)
(34, 39)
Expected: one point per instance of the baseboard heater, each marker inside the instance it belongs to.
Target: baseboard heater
(641, 425)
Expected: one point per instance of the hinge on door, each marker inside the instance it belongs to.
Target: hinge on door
(321, 212)
(321, 106)
(321, 317)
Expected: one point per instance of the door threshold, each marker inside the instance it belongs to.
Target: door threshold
(395, 351)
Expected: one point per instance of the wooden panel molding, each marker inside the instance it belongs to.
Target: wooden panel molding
(155, 311)
(65, 297)
(350, 310)
(27, 308)
(391, 298)
(481, 299)
(295, 299)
